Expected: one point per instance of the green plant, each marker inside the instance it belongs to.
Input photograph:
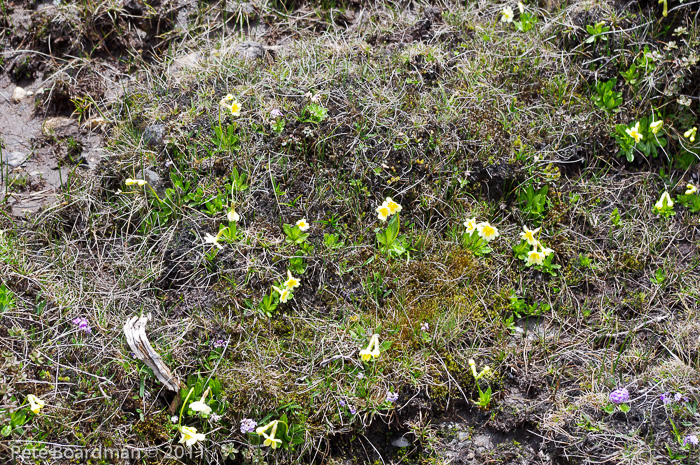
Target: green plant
(389, 241)
(472, 241)
(7, 300)
(533, 202)
(639, 137)
(597, 32)
(526, 22)
(605, 96)
(314, 113)
(294, 234)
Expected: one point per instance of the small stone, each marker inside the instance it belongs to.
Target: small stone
(186, 61)
(94, 123)
(462, 436)
(152, 177)
(153, 135)
(19, 94)
(249, 50)
(15, 159)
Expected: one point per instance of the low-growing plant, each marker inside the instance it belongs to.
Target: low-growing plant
(605, 96)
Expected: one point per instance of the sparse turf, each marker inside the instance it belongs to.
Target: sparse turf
(452, 113)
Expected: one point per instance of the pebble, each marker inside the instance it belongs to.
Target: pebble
(15, 159)
(19, 94)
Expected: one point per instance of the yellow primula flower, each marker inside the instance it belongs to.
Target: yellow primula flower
(372, 349)
(486, 231)
(507, 15)
(535, 257)
(35, 404)
(664, 201)
(209, 239)
(529, 236)
(690, 189)
(302, 224)
(233, 216)
(270, 439)
(690, 134)
(655, 126)
(291, 281)
(634, 133)
(470, 224)
(383, 212)
(392, 206)
(285, 293)
(131, 182)
(190, 435)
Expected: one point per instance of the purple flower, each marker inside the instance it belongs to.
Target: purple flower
(425, 327)
(392, 396)
(248, 425)
(352, 410)
(692, 439)
(360, 375)
(276, 113)
(219, 343)
(619, 396)
(342, 403)
(82, 324)
(666, 398)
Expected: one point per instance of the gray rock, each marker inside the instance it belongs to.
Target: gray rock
(249, 50)
(153, 135)
(184, 62)
(14, 159)
(152, 177)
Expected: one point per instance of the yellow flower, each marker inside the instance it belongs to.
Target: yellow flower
(664, 201)
(634, 133)
(233, 216)
(521, 7)
(655, 126)
(209, 239)
(392, 206)
(291, 281)
(534, 257)
(470, 224)
(507, 15)
(131, 182)
(546, 250)
(302, 224)
(190, 435)
(529, 236)
(285, 293)
(690, 134)
(690, 189)
(486, 231)
(200, 406)
(372, 349)
(35, 404)
(235, 108)
(270, 439)
(383, 212)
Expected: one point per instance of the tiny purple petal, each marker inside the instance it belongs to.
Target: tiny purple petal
(352, 410)
(219, 343)
(666, 398)
(677, 397)
(425, 327)
(342, 403)
(276, 113)
(392, 396)
(248, 425)
(619, 396)
(691, 439)
(360, 375)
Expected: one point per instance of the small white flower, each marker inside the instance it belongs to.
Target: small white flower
(655, 126)
(633, 132)
(174, 419)
(392, 206)
(291, 281)
(529, 235)
(521, 7)
(302, 224)
(200, 407)
(664, 201)
(35, 404)
(535, 257)
(507, 15)
(470, 224)
(285, 294)
(190, 435)
(383, 212)
(209, 239)
(486, 231)
(233, 216)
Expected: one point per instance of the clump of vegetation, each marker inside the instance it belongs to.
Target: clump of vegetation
(332, 234)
